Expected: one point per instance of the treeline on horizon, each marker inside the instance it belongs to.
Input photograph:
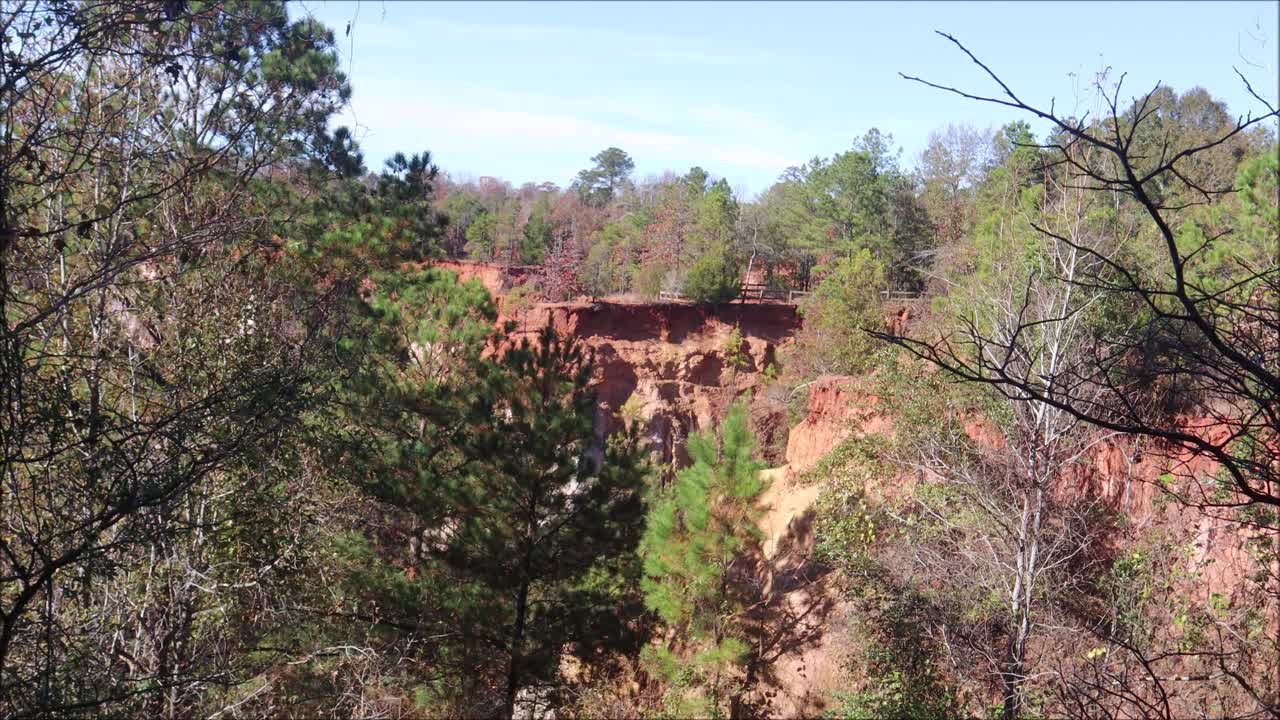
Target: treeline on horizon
(614, 234)
(260, 459)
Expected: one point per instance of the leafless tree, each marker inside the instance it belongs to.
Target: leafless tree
(1216, 344)
(1007, 531)
(950, 167)
(1226, 346)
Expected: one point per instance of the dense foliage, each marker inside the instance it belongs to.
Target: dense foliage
(700, 547)
(262, 458)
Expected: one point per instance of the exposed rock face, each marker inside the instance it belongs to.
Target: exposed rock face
(1127, 476)
(496, 279)
(667, 362)
(667, 359)
(1122, 473)
(835, 413)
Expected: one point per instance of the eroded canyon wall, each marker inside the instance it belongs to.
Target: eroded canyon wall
(669, 363)
(668, 366)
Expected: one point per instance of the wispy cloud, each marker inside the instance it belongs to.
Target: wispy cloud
(684, 48)
(653, 111)
(548, 131)
(531, 97)
(694, 56)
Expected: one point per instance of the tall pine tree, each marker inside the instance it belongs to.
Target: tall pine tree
(520, 528)
(550, 522)
(698, 549)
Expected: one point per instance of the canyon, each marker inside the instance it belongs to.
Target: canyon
(665, 365)
(670, 367)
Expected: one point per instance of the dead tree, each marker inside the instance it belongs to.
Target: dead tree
(1228, 344)
(1219, 344)
(1011, 539)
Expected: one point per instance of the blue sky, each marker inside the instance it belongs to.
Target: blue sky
(530, 91)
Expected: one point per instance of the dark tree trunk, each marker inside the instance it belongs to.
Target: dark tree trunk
(517, 643)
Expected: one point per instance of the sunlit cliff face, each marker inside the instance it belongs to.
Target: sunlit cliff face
(662, 365)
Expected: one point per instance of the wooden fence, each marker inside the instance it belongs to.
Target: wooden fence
(760, 291)
(749, 291)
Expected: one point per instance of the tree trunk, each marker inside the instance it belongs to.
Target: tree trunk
(1011, 678)
(1014, 671)
(517, 643)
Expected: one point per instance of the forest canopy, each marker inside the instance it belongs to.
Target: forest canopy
(266, 455)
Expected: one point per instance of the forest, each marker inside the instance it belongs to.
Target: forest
(265, 454)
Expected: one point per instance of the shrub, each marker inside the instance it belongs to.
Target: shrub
(713, 278)
(846, 301)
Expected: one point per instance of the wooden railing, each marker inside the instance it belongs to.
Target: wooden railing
(759, 291)
(749, 291)
(899, 295)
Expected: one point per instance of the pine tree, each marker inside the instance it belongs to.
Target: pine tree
(549, 528)
(697, 550)
(527, 528)
(538, 236)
